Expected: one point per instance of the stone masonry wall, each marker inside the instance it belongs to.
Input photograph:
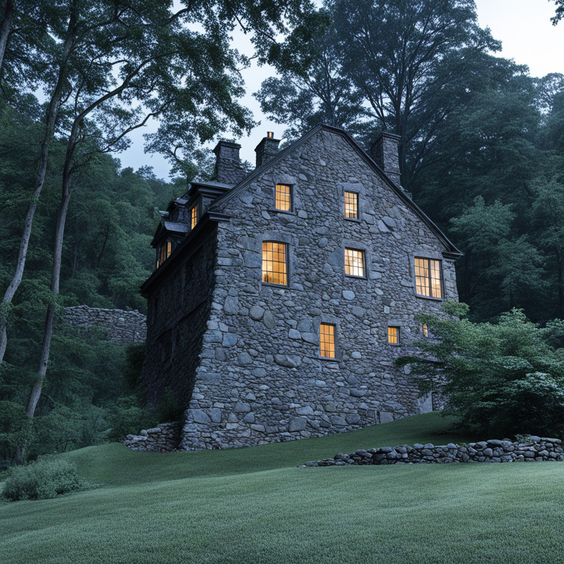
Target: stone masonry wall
(534, 449)
(162, 438)
(178, 313)
(261, 378)
(122, 327)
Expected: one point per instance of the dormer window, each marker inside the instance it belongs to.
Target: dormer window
(163, 252)
(194, 216)
(283, 197)
(351, 205)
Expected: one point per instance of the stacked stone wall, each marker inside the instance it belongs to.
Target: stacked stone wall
(121, 326)
(162, 438)
(534, 449)
(261, 378)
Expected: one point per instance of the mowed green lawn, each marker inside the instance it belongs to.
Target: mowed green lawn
(254, 505)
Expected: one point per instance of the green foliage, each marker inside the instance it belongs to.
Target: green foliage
(498, 379)
(15, 430)
(127, 415)
(45, 479)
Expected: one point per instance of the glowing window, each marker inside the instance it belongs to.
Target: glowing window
(354, 263)
(425, 330)
(283, 197)
(193, 216)
(428, 277)
(327, 340)
(275, 263)
(393, 335)
(164, 252)
(351, 205)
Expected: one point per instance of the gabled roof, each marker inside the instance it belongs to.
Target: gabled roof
(450, 248)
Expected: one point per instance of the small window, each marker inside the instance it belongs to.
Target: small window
(351, 205)
(275, 263)
(194, 216)
(425, 330)
(354, 263)
(428, 278)
(327, 340)
(164, 252)
(283, 197)
(394, 335)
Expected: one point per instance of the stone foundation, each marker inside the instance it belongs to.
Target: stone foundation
(163, 438)
(534, 449)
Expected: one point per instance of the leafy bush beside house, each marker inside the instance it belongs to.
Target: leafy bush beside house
(498, 379)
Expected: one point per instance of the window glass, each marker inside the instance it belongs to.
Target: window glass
(393, 335)
(425, 330)
(275, 263)
(428, 277)
(164, 252)
(351, 205)
(354, 263)
(283, 197)
(194, 216)
(327, 340)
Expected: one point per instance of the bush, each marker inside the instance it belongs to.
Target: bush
(44, 479)
(499, 380)
(128, 416)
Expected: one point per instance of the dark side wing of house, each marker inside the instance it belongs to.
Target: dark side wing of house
(282, 297)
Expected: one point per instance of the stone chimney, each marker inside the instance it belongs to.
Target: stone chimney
(384, 153)
(267, 149)
(228, 168)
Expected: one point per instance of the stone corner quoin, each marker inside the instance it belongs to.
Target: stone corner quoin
(243, 353)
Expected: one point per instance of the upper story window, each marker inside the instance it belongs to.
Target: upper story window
(351, 205)
(283, 197)
(275, 263)
(327, 348)
(163, 252)
(428, 279)
(194, 216)
(354, 263)
(394, 335)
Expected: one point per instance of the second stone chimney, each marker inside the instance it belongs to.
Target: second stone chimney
(267, 149)
(228, 165)
(385, 154)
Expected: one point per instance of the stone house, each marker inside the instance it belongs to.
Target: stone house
(282, 296)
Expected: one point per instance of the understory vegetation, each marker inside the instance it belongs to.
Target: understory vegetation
(253, 504)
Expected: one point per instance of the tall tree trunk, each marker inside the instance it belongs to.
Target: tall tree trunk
(51, 119)
(5, 28)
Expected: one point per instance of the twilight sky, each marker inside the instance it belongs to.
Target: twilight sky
(523, 26)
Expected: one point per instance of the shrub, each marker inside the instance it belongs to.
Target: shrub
(499, 380)
(128, 416)
(44, 479)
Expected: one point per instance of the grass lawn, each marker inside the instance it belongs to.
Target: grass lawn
(254, 505)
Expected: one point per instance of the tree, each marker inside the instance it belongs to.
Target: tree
(498, 380)
(559, 12)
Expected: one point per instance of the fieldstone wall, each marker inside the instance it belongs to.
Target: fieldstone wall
(534, 449)
(162, 438)
(260, 377)
(122, 327)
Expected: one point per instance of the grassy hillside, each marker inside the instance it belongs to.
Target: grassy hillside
(254, 505)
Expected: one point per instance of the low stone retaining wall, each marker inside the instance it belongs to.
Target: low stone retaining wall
(534, 449)
(162, 438)
(122, 327)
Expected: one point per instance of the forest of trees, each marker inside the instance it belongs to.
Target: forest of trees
(482, 152)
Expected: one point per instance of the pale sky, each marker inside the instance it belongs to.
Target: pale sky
(523, 26)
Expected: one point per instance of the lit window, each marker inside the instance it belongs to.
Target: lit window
(393, 335)
(327, 340)
(425, 330)
(354, 263)
(428, 278)
(351, 205)
(164, 252)
(283, 197)
(275, 263)
(193, 216)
